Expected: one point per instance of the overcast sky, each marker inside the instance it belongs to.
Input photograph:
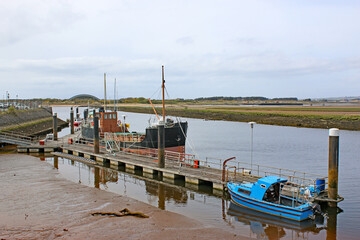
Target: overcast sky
(61, 48)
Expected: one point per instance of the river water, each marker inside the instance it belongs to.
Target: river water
(300, 149)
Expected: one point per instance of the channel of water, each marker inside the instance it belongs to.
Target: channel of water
(299, 149)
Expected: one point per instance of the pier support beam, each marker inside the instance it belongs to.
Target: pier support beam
(96, 134)
(192, 180)
(161, 146)
(72, 120)
(55, 127)
(333, 165)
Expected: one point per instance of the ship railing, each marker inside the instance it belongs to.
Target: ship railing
(85, 141)
(177, 158)
(114, 144)
(238, 170)
(123, 137)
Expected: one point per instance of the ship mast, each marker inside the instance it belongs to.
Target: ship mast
(163, 92)
(105, 92)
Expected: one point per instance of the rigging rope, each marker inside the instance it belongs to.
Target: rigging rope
(186, 138)
(182, 130)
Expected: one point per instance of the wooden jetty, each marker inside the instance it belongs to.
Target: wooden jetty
(148, 164)
(214, 173)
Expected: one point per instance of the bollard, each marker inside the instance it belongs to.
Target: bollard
(161, 146)
(72, 121)
(333, 165)
(96, 135)
(55, 127)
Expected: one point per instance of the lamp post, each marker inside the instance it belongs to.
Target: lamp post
(124, 126)
(251, 143)
(7, 98)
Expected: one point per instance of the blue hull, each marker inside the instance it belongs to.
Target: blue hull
(293, 213)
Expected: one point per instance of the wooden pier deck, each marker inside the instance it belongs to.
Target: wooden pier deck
(175, 169)
(147, 164)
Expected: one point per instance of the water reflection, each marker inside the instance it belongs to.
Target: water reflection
(332, 222)
(103, 176)
(97, 177)
(161, 197)
(56, 162)
(265, 226)
(166, 192)
(175, 197)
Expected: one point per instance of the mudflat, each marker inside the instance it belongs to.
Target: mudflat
(38, 203)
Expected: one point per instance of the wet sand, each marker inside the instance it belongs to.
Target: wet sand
(38, 203)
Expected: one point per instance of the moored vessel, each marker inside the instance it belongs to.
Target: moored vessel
(117, 134)
(266, 196)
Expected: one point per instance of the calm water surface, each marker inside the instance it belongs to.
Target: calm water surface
(299, 149)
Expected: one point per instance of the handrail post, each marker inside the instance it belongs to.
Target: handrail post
(224, 165)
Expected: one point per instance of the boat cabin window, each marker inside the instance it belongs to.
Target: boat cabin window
(240, 190)
(114, 116)
(272, 193)
(110, 116)
(105, 116)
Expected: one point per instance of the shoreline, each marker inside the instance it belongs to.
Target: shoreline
(270, 117)
(39, 203)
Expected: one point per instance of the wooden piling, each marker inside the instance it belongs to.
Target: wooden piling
(333, 165)
(161, 145)
(96, 134)
(55, 127)
(56, 162)
(72, 120)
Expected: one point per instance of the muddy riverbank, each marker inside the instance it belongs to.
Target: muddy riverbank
(37, 203)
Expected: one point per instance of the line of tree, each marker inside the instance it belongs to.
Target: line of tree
(253, 98)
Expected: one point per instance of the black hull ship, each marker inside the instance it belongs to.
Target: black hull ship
(117, 136)
(113, 130)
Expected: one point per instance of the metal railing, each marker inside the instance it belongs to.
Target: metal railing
(235, 170)
(14, 137)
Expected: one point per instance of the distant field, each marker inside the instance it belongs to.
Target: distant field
(311, 117)
(337, 110)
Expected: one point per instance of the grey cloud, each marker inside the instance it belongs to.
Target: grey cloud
(247, 41)
(24, 19)
(185, 40)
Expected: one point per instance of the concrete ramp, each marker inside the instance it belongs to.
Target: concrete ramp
(14, 138)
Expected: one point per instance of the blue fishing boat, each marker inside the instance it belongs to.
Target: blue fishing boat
(266, 196)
